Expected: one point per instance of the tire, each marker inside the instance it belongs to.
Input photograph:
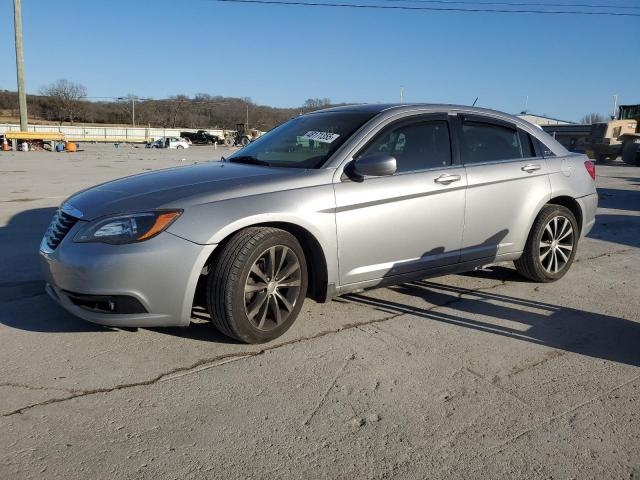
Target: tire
(244, 141)
(228, 142)
(246, 304)
(631, 153)
(179, 147)
(537, 260)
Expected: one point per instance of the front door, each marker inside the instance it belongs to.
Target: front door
(407, 222)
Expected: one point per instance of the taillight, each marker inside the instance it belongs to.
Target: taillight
(591, 168)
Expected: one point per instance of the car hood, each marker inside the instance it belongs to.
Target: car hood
(181, 187)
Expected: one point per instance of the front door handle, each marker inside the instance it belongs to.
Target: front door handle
(531, 167)
(446, 179)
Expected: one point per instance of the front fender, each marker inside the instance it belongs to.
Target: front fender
(311, 208)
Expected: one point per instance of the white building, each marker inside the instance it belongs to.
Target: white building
(542, 120)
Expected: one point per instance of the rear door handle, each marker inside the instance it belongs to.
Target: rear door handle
(446, 179)
(531, 167)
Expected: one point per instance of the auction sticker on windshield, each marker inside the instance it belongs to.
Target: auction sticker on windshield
(324, 137)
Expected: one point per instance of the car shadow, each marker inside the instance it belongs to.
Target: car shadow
(619, 199)
(564, 328)
(23, 302)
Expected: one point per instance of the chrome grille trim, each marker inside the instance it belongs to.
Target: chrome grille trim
(63, 221)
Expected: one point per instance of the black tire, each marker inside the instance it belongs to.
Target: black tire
(530, 264)
(179, 147)
(227, 299)
(244, 141)
(631, 153)
(228, 142)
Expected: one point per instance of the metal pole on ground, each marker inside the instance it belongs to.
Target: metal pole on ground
(22, 95)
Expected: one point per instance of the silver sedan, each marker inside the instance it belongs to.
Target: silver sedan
(330, 202)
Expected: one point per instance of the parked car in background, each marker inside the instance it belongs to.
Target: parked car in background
(328, 203)
(169, 142)
(201, 137)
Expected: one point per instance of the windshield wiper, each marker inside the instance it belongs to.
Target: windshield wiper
(249, 160)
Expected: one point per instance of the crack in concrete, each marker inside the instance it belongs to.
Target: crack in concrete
(220, 360)
(37, 387)
(605, 254)
(217, 360)
(331, 385)
(550, 420)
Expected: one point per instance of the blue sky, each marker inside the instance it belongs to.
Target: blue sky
(567, 65)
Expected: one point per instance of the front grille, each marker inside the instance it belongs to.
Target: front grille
(60, 225)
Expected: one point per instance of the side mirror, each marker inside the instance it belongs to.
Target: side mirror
(375, 165)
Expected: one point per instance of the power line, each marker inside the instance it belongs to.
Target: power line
(520, 4)
(433, 9)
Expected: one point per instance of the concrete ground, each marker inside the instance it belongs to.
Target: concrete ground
(481, 375)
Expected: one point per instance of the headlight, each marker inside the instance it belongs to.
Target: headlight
(129, 228)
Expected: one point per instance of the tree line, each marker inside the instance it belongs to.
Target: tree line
(66, 102)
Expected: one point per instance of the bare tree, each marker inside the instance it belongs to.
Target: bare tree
(591, 118)
(316, 103)
(66, 98)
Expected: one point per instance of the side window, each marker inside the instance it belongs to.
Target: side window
(527, 145)
(486, 142)
(416, 146)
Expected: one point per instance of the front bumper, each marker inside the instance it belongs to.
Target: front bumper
(161, 274)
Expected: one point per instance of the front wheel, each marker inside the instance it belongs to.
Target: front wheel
(179, 147)
(551, 245)
(257, 284)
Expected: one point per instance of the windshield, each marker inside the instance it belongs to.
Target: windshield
(629, 112)
(304, 142)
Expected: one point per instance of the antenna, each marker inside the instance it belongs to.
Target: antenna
(474, 102)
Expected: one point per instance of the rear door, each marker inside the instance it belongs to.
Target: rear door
(507, 180)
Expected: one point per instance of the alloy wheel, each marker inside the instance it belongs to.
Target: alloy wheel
(556, 244)
(272, 287)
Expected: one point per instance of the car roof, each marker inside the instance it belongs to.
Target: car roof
(392, 109)
(401, 107)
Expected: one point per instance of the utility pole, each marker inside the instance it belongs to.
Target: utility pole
(401, 93)
(22, 95)
(247, 115)
(133, 107)
(615, 107)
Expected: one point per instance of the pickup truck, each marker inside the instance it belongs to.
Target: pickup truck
(201, 137)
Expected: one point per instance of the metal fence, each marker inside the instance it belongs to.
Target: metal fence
(82, 133)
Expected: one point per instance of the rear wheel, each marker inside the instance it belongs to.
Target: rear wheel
(228, 141)
(257, 284)
(179, 147)
(244, 141)
(551, 245)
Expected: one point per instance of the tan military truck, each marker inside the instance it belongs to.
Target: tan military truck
(618, 137)
(245, 135)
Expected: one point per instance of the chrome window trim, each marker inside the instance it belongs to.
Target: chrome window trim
(509, 160)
